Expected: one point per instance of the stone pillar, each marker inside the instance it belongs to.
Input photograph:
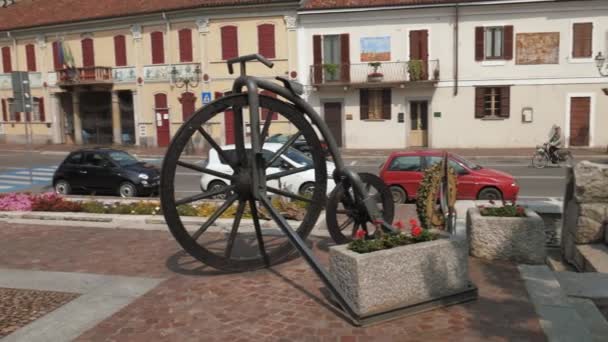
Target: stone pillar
(116, 122)
(76, 118)
(57, 123)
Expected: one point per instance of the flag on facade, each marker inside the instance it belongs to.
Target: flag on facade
(68, 58)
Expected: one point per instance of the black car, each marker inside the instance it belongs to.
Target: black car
(104, 170)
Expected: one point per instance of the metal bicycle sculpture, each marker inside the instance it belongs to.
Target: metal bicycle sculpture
(359, 201)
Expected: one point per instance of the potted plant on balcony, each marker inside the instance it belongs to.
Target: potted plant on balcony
(375, 76)
(331, 70)
(415, 69)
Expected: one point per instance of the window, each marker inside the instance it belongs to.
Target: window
(158, 49)
(13, 116)
(230, 43)
(30, 56)
(94, 159)
(38, 111)
(492, 102)
(459, 169)
(266, 44)
(331, 57)
(120, 50)
(375, 104)
(405, 163)
(582, 40)
(6, 60)
(75, 158)
(494, 42)
(185, 45)
(88, 53)
(56, 56)
(4, 110)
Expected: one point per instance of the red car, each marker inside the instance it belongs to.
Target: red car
(403, 172)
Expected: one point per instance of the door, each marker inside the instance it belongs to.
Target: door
(333, 118)
(406, 172)
(98, 173)
(418, 136)
(580, 109)
(71, 170)
(162, 119)
(419, 55)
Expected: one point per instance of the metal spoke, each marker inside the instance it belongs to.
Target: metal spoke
(346, 223)
(235, 228)
(343, 211)
(216, 147)
(258, 232)
(280, 174)
(265, 129)
(288, 194)
(204, 170)
(283, 148)
(204, 195)
(215, 216)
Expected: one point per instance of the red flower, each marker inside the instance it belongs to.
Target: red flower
(399, 225)
(360, 234)
(413, 222)
(520, 210)
(416, 231)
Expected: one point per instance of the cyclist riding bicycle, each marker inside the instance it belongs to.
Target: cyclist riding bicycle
(555, 143)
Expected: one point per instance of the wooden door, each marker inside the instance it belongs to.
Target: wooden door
(580, 109)
(162, 119)
(418, 136)
(333, 119)
(419, 53)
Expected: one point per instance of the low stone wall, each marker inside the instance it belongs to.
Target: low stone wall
(585, 209)
(518, 239)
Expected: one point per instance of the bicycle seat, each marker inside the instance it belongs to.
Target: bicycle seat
(295, 87)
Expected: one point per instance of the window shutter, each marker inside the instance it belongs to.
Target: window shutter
(30, 56)
(386, 103)
(4, 111)
(187, 100)
(265, 111)
(582, 40)
(364, 103)
(56, 61)
(505, 102)
(185, 45)
(508, 42)
(120, 50)
(266, 43)
(158, 47)
(479, 54)
(479, 102)
(345, 58)
(230, 44)
(218, 94)
(160, 101)
(6, 59)
(88, 54)
(41, 109)
(317, 59)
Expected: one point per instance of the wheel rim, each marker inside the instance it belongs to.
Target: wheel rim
(539, 160)
(490, 196)
(236, 249)
(61, 188)
(308, 191)
(397, 198)
(218, 187)
(126, 191)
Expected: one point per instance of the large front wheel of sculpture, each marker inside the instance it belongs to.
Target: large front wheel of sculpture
(234, 235)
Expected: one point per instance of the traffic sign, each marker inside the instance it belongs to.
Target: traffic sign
(22, 94)
(206, 95)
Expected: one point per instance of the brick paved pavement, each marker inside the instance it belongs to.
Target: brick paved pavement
(196, 303)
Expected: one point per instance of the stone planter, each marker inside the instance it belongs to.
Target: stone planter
(518, 239)
(404, 276)
(375, 77)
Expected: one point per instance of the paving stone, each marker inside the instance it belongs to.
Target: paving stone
(592, 258)
(596, 323)
(588, 285)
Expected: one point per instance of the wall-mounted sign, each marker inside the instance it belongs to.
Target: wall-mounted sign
(375, 49)
(142, 130)
(527, 114)
(437, 114)
(400, 117)
(349, 116)
(206, 97)
(166, 116)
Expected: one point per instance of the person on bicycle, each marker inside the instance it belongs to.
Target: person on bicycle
(555, 143)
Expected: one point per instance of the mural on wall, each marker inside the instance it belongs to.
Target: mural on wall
(537, 48)
(375, 49)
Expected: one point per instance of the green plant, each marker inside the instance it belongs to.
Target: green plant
(510, 210)
(94, 207)
(375, 65)
(415, 69)
(331, 69)
(387, 241)
(426, 197)
(187, 210)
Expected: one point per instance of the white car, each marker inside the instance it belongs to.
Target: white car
(299, 183)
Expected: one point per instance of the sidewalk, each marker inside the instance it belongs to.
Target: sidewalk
(175, 298)
(597, 152)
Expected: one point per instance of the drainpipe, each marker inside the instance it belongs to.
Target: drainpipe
(456, 22)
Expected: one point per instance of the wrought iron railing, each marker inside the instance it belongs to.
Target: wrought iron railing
(84, 75)
(374, 72)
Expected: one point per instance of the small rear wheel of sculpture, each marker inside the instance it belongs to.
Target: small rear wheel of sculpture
(436, 198)
(240, 232)
(345, 215)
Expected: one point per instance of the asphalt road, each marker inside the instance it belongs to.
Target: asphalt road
(14, 173)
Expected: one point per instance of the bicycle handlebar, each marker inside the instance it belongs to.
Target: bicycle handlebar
(245, 59)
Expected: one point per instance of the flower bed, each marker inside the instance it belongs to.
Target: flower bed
(506, 210)
(56, 203)
(363, 244)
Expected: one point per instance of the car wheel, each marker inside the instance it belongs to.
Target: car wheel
(308, 154)
(399, 195)
(217, 186)
(307, 190)
(488, 194)
(62, 187)
(127, 189)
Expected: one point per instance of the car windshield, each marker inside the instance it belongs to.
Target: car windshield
(298, 157)
(466, 163)
(278, 138)
(122, 158)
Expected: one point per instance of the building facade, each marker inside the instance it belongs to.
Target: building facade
(396, 74)
(105, 72)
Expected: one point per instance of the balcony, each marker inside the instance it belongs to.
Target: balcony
(381, 74)
(84, 76)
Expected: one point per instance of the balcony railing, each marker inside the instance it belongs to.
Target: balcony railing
(374, 72)
(84, 75)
